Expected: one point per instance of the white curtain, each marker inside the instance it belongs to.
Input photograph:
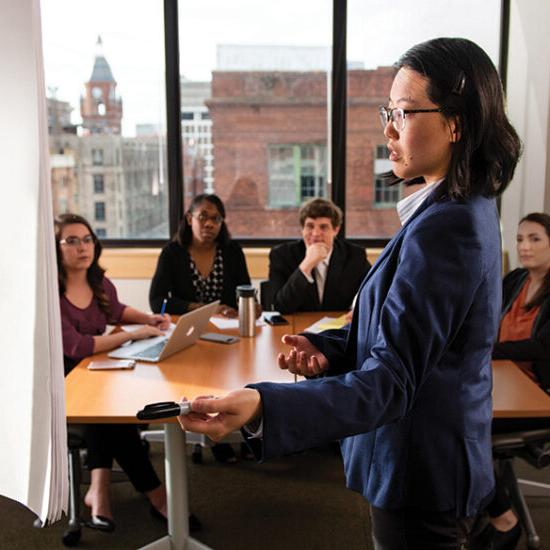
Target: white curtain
(32, 402)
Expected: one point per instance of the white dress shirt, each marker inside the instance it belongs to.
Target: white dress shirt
(319, 276)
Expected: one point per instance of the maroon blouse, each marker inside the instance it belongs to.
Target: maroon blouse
(79, 326)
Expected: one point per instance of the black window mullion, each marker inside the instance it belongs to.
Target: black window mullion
(339, 104)
(503, 55)
(173, 115)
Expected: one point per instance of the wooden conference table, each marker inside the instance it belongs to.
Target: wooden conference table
(210, 368)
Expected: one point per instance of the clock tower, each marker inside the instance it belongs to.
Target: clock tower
(100, 108)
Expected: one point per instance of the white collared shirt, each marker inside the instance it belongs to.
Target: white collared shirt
(407, 207)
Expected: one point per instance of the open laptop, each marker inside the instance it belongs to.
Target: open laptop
(186, 332)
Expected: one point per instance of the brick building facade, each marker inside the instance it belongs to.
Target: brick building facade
(269, 134)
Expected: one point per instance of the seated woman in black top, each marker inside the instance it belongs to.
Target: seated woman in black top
(201, 264)
(524, 338)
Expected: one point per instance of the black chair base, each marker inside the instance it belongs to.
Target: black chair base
(531, 447)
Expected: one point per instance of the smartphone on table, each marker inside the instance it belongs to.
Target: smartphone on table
(276, 320)
(219, 338)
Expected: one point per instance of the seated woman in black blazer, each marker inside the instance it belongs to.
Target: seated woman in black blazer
(201, 264)
(524, 337)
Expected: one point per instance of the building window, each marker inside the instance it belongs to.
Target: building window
(370, 56)
(101, 232)
(296, 174)
(99, 211)
(99, 184)
(386, 196)
(97, 157)
(382, 152)
(255, 104)
(187, 115)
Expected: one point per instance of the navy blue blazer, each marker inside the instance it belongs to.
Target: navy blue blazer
(411, 391)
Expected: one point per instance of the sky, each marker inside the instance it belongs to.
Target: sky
(132, 32)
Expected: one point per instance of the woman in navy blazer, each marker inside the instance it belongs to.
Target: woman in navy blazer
(407, 386)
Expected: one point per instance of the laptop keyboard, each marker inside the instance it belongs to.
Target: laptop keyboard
(153, 351)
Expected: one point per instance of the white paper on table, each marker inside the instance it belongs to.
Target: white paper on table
(224, 324)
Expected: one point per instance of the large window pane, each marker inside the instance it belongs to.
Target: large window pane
(104, 67)
(254, 108)
(378, 33)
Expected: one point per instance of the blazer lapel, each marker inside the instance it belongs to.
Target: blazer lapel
(397, 238)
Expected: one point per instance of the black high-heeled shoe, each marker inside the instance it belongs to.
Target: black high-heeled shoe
(224, 453)
(246, 452)
(507, 540)
(492, 538)
(101, 523)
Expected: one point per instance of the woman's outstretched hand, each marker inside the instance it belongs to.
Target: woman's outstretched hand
(304, 358)
(217, 417)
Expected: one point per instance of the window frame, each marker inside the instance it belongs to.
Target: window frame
(337, 177)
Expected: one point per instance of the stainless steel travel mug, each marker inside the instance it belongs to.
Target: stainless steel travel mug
(246, 301)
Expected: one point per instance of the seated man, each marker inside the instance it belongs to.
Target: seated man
(319, 272)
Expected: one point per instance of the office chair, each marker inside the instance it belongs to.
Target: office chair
(532, 447)
(266, 296)
(75, 444)
(76, 447)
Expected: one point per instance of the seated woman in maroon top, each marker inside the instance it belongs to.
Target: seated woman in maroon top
(88, 302)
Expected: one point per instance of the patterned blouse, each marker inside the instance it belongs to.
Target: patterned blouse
(209, 288)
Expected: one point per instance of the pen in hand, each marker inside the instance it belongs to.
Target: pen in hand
(163, 307)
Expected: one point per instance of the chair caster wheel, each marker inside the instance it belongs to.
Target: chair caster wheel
(196, 455)
(71, 537)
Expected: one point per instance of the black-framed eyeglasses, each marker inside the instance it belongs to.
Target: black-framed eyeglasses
(398, 116)
(203, 218)
(77, 241)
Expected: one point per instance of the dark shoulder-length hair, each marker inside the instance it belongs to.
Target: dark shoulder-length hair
(543, 292)
(95, 272)
(184, 234)
(464, 83)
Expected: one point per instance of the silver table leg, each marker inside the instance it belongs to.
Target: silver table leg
(176, 487)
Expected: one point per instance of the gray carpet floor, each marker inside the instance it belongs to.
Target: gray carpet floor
(293, 503)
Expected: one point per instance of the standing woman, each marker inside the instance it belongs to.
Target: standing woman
(88, 303)
(524, 337)
(407, 386)
(201, 264)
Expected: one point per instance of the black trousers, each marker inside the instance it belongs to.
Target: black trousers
(121, 442)
(416, 529)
